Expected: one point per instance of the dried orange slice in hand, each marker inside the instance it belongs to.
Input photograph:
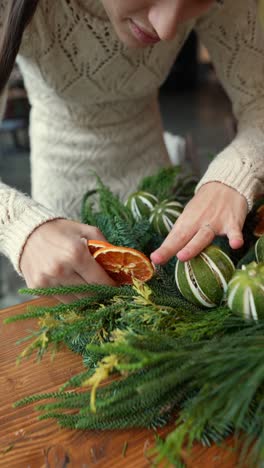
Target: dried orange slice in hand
(124, 264)
(259, 229)
(95, 244)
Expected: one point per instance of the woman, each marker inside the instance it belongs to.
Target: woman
(92, 70)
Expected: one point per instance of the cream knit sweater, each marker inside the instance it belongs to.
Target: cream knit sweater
(94, 107)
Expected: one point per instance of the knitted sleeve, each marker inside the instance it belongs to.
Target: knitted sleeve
(19, 214)
(19, 217)
(234, 36)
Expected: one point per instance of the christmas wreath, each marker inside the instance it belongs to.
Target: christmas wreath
(187, 344)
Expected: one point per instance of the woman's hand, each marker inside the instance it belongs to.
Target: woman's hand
(56, 254)
(216, 209)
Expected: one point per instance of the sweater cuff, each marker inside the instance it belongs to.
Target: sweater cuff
(17, 232)
(235, 171)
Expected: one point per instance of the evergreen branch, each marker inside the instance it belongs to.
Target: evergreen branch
(213, 411)
(110, 204)
(164, 283)
(218, 400)
(43, 396)
(80, 306)
(77, 380)
(201, 367)
(75, 401)
(87, 212)
(38, 311)
(105, 292)
(104, 369)
(40, 344)
(135, 235)
(133, 416)
(161, 184)
(64, 420)
(155, 411)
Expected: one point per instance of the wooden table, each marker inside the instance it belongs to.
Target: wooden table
(26, 442)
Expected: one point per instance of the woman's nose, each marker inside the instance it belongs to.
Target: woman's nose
(164, 17)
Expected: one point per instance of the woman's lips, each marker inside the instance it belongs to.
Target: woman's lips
(142, 36)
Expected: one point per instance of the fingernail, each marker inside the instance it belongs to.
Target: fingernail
(183, 256)
(155, 258)
(236, 243)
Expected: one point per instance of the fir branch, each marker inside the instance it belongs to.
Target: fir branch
(178, 322)
(87, 211)
(38, 311)
(202, 325)
(104, 293)
(40, 344)
(216, 407)
(209, 413)
(104, 369)
(161, 184)
(110, 204)
(133, 415)
(77, 380)
(66, 402)
(94, 326)
(121, 232)
(163, 283)
(147, 408)
(100, 290)
(218, 402)
(107, 202)
(43, 396)
(115, 220)
(136, 235)
(78, 328)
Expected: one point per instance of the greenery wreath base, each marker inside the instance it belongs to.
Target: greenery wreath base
(210, 361)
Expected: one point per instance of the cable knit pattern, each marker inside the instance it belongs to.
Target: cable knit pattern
(94, 108)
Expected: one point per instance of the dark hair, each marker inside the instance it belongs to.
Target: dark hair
(19, 13)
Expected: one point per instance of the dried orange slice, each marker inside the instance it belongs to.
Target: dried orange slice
(95, 244)
(259, 229)
(124, 264)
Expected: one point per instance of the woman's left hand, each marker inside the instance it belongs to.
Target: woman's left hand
(216, 209)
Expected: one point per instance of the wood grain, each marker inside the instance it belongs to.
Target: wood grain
(26, 442)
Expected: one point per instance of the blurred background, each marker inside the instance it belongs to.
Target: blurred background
(193, 105)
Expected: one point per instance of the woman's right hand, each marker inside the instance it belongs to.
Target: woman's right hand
(56, 254)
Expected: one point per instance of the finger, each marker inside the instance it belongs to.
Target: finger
(174, 242)
(202, 239)
(91, 232)
(235, 237)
